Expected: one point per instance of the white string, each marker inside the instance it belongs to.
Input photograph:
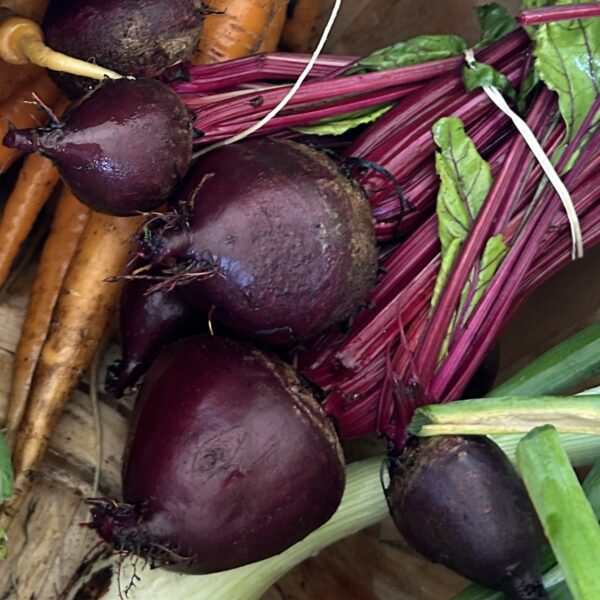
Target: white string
(292, 91)
(496, 97)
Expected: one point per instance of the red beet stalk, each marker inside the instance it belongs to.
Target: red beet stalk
(377, 374)
(565, 12)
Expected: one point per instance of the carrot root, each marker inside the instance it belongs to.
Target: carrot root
(82, 314)
(67, 226)
(301, 27)
(240, 28)
(34, 186)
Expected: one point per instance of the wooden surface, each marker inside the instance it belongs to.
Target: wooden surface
(47, 542)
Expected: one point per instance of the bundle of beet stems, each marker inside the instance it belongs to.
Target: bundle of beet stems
(426, 329)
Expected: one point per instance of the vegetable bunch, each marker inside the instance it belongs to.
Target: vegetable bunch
(467, 225)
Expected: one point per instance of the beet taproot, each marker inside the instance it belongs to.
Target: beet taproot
(148, 320)
(458, 501)
(133, 37)
(281, 241)
(122, 149)
(229, 461)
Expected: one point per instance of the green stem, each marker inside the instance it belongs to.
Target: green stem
(560, 370)
(566, 515)
(572, 414)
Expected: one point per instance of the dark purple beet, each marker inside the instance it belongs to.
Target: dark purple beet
(458, 501)
(147, 322)
(133, 37)
(229, 461)
(291, 240)
(122, 149)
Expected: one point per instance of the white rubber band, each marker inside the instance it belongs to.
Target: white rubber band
(292, 91)
(496, 97)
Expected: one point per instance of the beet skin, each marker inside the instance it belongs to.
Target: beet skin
(289, 238)
(148, 320)
(122, 149)
(228, 461)
(133, 37)
(458, 501)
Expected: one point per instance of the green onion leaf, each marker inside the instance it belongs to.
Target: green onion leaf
(566, 516)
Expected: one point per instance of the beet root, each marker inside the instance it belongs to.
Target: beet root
(133, 37)
(148, 320)
(122, 149)
(289, 240)
(229, 461)
(458, 501)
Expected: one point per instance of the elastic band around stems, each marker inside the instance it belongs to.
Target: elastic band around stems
(496, 97)
(285, 100)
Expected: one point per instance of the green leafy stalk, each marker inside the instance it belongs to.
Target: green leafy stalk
(465, 181)
(574, 414)
(560, 370)
(6, 472)
(591, 487)
(495, 22)
(566, 516)
(341, 124)
(479, 74)
(6, 489)
(417, 50)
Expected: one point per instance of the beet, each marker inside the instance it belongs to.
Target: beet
(148, 320)
(229, 461)
(133, 37)
(289, 240)
(122, 149)
(458, 501)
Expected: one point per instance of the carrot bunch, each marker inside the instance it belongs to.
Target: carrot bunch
(72, 302)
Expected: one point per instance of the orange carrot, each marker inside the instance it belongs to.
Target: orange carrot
(240, 30)
(67, 226)
(22, 111)
(273, 33)
(82, 313)
(37, 179)
(301, 27)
